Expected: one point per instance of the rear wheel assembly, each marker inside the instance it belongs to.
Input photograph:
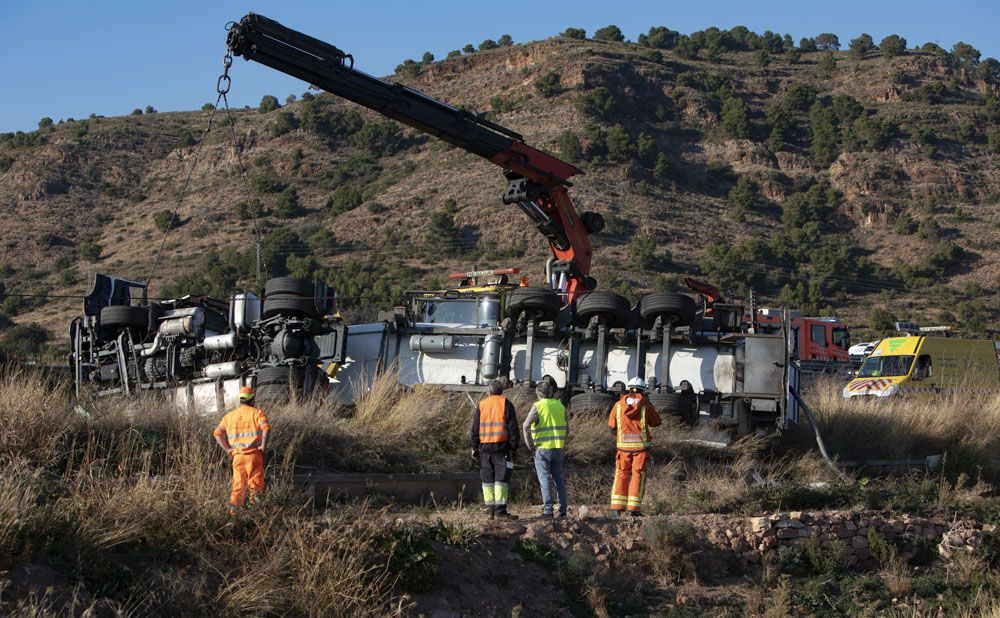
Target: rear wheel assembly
(614, 307)
(675, 404)
(592, 403)
(542, 303)
(677, 308)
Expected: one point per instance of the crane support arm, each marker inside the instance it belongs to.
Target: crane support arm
(537, 181)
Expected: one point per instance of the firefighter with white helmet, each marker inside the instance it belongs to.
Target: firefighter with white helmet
(630, 420)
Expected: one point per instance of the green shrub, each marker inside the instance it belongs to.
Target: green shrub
(345, 198)
(6, 162)
(659, 37)
(861, 46)
(488, 44)
(993, 140)
(45, 122)
(904, 224)
(284, 122)
(186, 139)
(380, 139)
(574, 33)
(505, 40)
(736, 118)
(609, 33)
(828, 64)
(91, 251)
(267, 182)
(569, 146)
(207, 107)
(598, 103)
(800, 98)
(287, 204)
(137, 112)
(547, 85)
(23, 340)
(150, 109)
(893, 45)
(166, 220)
(268, 103)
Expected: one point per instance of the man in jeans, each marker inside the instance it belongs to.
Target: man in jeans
(545, 432)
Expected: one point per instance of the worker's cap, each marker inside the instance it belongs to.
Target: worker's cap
(246, 392)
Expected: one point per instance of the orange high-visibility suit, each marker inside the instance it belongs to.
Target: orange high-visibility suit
(242, 430)
(631, 419)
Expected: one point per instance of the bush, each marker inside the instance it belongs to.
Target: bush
(609, 33)
(574, 33)
(660, 37)
(993, 140)
(442, 236)
(380, 139)
(828, 41)
(642, 253)
(800, 98)
(793, 56)
(929, 229)
(166, 220)
(246, 211)
(469, 49)
(547, 85)
(267, 182)
(569, 146)
(268, 103)
(904, 224)
(964, 55)
(744, 195)
(284, 122)
(345, 198)
(828, 64)
(736, 118)
(207, 107)
(505, 40)
(186, 139)
(427, 58)
(966, 132)
(861, 46)
(808, 44)
(6, 162)
(598, 103)
(150, 109)
(91, 251)
(488, 44)
(825, 144)
(137, 112)
(23, 340)
(893, 45)
(288, 203)
(409, 68)
(45, 122)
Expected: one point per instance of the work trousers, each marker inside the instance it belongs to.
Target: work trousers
(549, 468)
(248, 478)
(494, 470)
(630, 480)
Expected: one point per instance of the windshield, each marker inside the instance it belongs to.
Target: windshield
(447, 311)
(880, 366)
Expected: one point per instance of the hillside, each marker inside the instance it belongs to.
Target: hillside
(830, 182)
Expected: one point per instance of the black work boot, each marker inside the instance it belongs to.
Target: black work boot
(503, 514)
(635, 513)
(490, 510)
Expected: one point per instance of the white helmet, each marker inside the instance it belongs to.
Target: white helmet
(636, 383)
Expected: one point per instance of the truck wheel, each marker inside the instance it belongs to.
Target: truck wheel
(675, 404)
(678, 308)
(543, 303)
(592, 403)
(273, 392)
(614, 307)
(289, 285)
(290, 305)
(124, 316)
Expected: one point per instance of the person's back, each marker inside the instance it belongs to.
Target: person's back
(545, 431)
(494, 443)
(242, 433)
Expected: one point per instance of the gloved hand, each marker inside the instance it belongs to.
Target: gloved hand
(475, 454)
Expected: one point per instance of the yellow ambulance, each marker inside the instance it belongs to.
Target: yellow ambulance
(927, 365)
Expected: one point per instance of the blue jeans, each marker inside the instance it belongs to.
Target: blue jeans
(549, 467)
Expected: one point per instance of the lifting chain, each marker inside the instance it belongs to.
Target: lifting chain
(222, 86)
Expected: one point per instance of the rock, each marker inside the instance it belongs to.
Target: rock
(584, 512)
(850, 525)
(760, 524)
(751, 557)
(796, 515)
(788, 533)
(862, 554)
(859, 542)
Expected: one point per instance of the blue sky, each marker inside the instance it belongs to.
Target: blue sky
(70, 59)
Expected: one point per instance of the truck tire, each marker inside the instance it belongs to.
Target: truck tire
(289, 305)
(289, 285)
(124, 316)
(540, 302)
(679, 308)
(273, 393)
(675, 404)
(614, 307)
(592, 403)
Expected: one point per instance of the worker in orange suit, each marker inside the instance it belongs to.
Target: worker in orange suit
(630, 420)
(243, 434)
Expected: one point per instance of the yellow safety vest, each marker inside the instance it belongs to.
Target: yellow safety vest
(550, 430)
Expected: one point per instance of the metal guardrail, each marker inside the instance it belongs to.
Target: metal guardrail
(414, 488)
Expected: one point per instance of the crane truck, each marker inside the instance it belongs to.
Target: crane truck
(587, 341)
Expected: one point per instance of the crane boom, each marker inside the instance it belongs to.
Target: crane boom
(536, 181)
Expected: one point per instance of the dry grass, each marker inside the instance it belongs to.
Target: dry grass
(961, 426)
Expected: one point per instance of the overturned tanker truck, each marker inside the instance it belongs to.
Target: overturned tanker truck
(698, 362)
(198, 351)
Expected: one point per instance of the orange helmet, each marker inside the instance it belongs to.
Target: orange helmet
(246, 393)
